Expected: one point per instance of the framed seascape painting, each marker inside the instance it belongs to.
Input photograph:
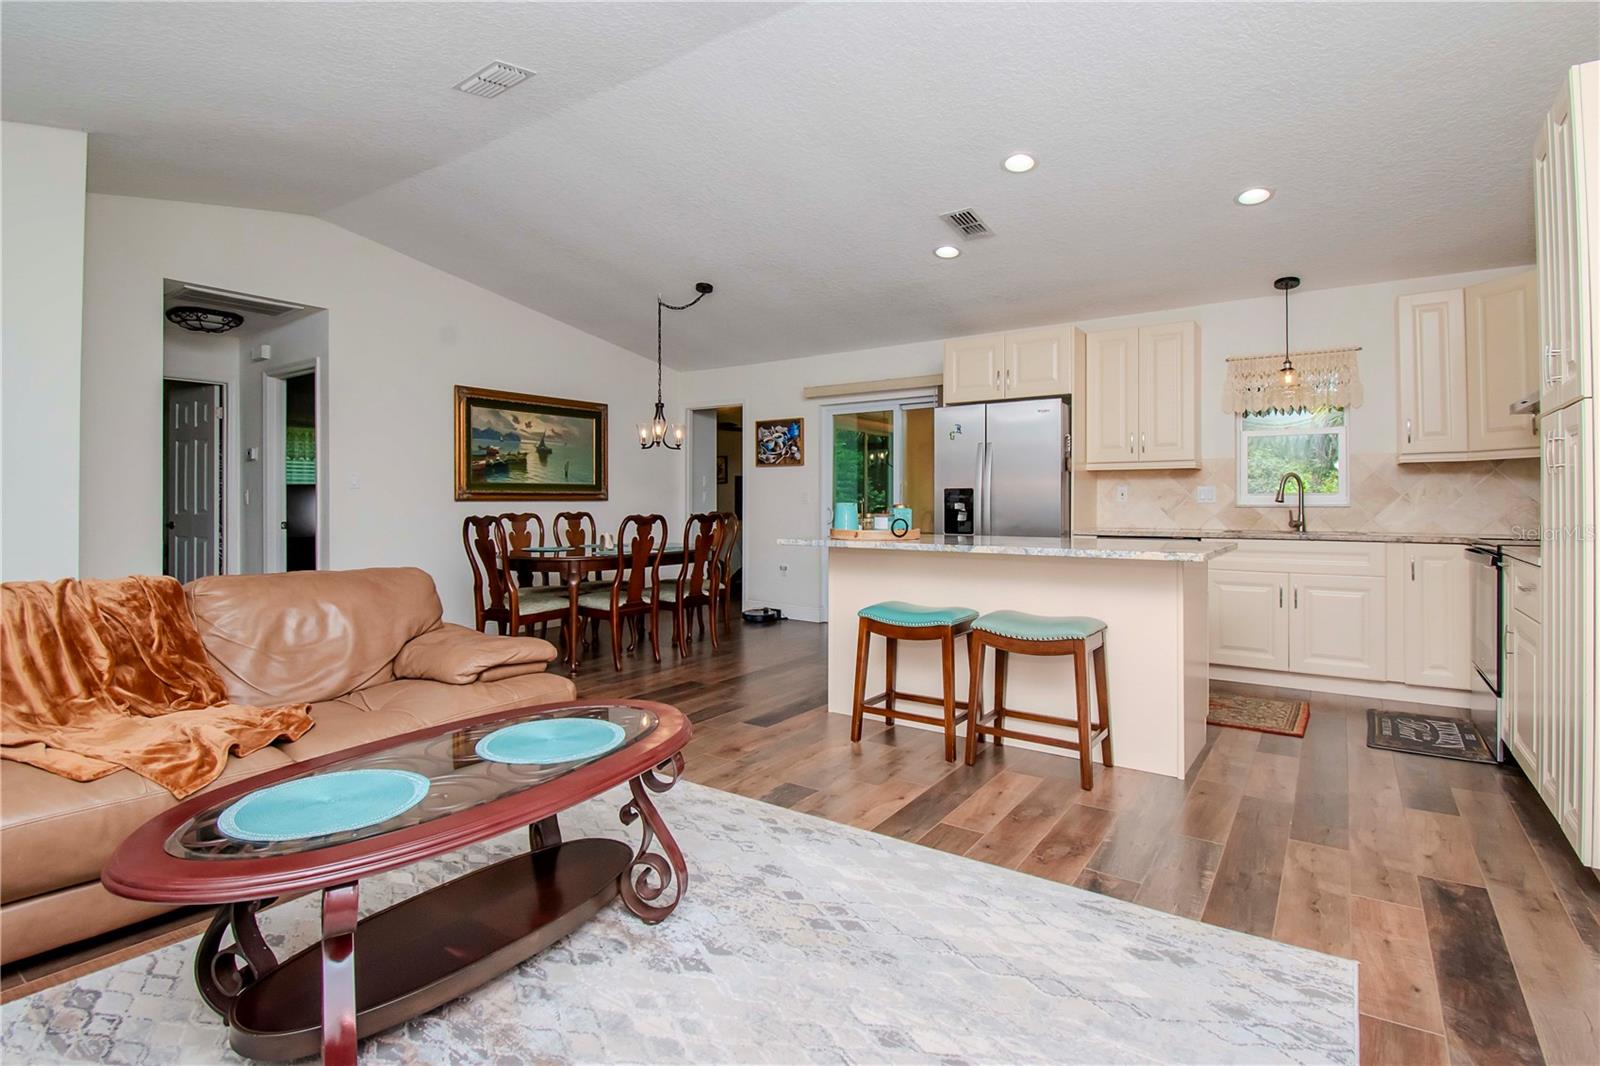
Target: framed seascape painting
(781, 442)
(513, 446)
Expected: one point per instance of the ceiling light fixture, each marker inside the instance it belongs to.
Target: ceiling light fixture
(947, 251)
(1287, 370)
(658, 432)
(1252, 197)
(1020, 163)
(204, 319)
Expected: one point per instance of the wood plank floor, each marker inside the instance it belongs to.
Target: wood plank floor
(1477, 930)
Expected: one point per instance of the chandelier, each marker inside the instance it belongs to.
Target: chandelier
(658, 432)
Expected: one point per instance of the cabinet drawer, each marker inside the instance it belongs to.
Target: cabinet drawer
(1353, 558)
(1522, 587)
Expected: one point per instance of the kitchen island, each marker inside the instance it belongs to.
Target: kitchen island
(1151, 594)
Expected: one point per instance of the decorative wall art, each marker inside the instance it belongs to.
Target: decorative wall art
(781, 442)
(514, 446)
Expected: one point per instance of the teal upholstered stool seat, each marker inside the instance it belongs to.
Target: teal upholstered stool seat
(1018, 633)
(895, 621)
(899, 613)
(1021, 626)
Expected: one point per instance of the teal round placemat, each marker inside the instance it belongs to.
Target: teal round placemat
(322, 804)
(551, 740)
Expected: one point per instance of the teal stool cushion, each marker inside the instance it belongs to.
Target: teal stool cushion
(898, 613)
(1021, 626)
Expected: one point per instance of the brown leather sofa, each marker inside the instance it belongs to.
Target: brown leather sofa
(367, 650)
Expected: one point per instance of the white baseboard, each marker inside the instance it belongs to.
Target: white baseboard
(1348, 686)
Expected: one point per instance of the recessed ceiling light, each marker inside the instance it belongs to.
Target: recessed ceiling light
(1020, 163)
(1251, 197)
(947, 251)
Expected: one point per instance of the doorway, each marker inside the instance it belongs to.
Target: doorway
(716, 470)
(192, 479)
(290, 445)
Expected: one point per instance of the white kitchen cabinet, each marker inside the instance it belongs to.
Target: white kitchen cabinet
(1502, 364)
(1169, 412)
(1568, 747)
(1520, 684)
(1013, 365)
(1438, 616)
(1431, 353)
(1248, 623)
(1337, 625)
(974, 369)
(1566, 200)
(1111, 387)
(1143, 395)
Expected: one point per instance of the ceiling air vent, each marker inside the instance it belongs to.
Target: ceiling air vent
(968, 224)
(494, 79)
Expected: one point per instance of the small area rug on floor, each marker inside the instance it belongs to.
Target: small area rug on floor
(1426, 734)
(799, 941)
(1263, 714)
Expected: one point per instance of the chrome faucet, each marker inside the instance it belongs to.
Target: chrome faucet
(1297, 519)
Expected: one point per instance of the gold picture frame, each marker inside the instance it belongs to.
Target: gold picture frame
(518, 446)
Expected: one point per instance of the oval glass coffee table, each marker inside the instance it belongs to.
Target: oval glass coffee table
(323, 825)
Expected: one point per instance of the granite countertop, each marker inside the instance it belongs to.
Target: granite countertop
(1144, 549)
(1524, 552)
(1324, 534)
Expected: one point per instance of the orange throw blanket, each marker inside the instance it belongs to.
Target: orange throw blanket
(97, 676)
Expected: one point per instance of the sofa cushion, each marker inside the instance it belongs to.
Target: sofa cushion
(55, 832)
(457, 655)
(310, 636)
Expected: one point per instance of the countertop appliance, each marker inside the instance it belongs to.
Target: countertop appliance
(1488, 631)
(1003, 469)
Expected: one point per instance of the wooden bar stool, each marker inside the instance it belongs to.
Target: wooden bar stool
(1031, 634)
(896, 621)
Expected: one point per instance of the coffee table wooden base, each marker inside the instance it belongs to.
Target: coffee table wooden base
(429, 949)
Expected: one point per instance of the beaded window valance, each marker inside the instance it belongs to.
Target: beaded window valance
(1327, 377)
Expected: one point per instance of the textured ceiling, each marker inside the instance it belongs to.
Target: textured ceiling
(799, 157)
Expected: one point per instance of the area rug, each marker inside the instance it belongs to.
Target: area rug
(799, 941)
(1260, 713)
(1426, 734)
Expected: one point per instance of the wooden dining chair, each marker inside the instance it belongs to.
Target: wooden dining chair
(574, 528)
(495, 595)
(634, 592)
(525, 530)
(723, 586)
(695, 585)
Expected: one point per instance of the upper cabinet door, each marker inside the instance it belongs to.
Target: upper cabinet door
(1169, 410)
(1111, 386)
(1432, 358)
(1567, 198)
(973, 369)
(1038, 362)
(1502, 363)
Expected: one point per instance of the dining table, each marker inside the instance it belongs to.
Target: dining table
(572, 563)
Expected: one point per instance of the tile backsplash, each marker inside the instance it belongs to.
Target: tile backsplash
(1461, 499)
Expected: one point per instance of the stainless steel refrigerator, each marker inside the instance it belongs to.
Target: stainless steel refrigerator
(1003, 469)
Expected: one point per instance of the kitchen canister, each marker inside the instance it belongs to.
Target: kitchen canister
(901, 511)
(846, 516)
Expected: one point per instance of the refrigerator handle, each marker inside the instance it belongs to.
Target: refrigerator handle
(978, 493)
(988, 489)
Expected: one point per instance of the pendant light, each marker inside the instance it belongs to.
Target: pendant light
(658, 432)
(1287, 371)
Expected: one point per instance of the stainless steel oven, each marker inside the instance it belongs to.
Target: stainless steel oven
(1488, 613)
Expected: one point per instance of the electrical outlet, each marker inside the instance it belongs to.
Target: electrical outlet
(783, 569)
(1122, 492)
(1205, 494)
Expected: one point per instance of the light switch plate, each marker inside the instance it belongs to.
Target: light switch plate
(1205, 494)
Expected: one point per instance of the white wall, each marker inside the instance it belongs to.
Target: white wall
(214, 358)
(785, 501)
(42, 189)
(400, 335)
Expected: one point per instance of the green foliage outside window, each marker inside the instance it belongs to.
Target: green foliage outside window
(1308, 443)
(862, 465)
